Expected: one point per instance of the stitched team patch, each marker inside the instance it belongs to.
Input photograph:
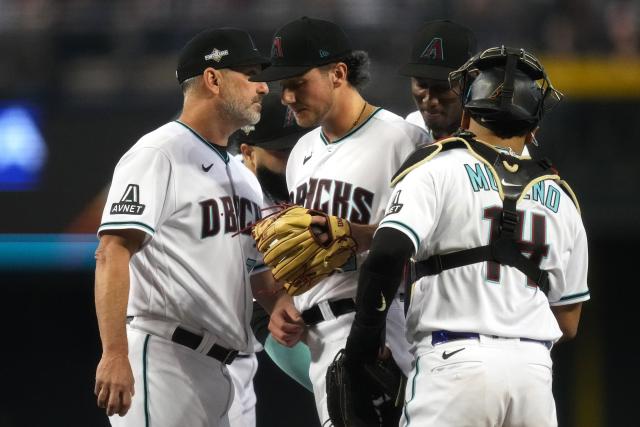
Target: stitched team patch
(129, 204)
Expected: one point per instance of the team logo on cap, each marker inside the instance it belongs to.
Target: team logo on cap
(276, 48)
(434, 50)
(216, 55)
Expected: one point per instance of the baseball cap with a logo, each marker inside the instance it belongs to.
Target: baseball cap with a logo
(217, 48)
(438, 49)
(302, 45)
(277, 128)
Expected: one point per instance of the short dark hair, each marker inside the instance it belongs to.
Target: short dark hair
(358, 68)
(357, 63)
(504, 129)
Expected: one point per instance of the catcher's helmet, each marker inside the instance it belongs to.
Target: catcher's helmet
(504, 84)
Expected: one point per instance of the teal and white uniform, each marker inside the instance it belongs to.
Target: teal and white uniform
(349, 178)
(191, 199)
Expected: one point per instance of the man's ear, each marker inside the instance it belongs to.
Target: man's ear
(211, 79)
(248, 156)
(338, 74)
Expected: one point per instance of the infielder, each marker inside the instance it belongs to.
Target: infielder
(439, 48)
(168, 260)
(342, 167)
(264, 150)
(502, 253)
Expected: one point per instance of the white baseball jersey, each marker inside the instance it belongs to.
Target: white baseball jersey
(417, 119)
(191, 199)
(349, 178)
(451, 203)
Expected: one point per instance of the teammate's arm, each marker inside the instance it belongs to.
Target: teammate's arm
(285, 324)
(378, 283)
(568, 317)
(114, 378)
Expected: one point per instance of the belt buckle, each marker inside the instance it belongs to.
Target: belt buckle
(230, 357)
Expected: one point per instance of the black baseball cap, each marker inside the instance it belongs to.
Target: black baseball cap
(439, 48)
(302, 45)
(277, 128)
(217, 48)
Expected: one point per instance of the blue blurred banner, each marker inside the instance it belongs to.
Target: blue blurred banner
(47, 252)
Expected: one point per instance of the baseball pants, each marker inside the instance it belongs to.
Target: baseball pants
(480, 382)
(243, 409)
(174, 385)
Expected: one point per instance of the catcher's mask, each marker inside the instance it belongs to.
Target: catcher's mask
(504, 84)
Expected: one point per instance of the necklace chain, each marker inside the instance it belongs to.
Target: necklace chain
(360, 115)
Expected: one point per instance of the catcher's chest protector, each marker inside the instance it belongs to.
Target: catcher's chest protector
(514, 177)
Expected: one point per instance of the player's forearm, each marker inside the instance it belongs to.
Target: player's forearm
(363, 235)
(111, 297)
(266, 290)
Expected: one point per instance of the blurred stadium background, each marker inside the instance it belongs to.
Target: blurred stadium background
(82, 80)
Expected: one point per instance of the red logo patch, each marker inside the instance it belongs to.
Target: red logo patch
(276, 49)
(434, 50)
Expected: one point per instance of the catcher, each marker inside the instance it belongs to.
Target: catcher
(338, 176)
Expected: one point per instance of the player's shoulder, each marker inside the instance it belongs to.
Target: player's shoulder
(391, 123)
(416, 118)
(245, 174)
(164, 138)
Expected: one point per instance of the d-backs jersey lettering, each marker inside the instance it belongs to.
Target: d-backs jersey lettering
(349, 178)
(190, 199)
(451, 203)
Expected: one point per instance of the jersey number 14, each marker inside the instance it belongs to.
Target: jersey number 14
(537, 247)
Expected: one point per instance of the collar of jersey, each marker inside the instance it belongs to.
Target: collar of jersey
(351, 132)
(223, 154)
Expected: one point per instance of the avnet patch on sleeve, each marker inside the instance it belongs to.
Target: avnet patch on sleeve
(129, 204)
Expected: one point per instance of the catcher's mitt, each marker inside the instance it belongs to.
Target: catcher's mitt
(365, 395)
(292, 248)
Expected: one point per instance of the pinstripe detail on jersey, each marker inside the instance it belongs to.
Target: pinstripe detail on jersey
(146, 384)
(575, 296)
(351, 132)
(223, 154)
(140, 224)
(413, 234)
(413, 390)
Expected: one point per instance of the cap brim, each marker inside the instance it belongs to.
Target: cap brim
(276, 72)
(280, 144)
(426, 71)
(253, 60)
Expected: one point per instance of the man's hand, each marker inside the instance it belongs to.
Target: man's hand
(286, 324)
(114, 384)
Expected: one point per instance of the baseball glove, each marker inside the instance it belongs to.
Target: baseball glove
(292, 247)
(364, 395)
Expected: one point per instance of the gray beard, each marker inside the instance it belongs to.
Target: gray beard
(237, 112)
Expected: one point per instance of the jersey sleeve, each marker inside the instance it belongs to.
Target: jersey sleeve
(571, 287)
(138, 193)
(412, 208)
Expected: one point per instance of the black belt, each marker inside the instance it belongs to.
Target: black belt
(314, 315)
(439, 337)
(191, 340)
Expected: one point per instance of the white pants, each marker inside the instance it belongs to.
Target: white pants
(243, 409)
(174, 386)
(480, 382)
(327, 338)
